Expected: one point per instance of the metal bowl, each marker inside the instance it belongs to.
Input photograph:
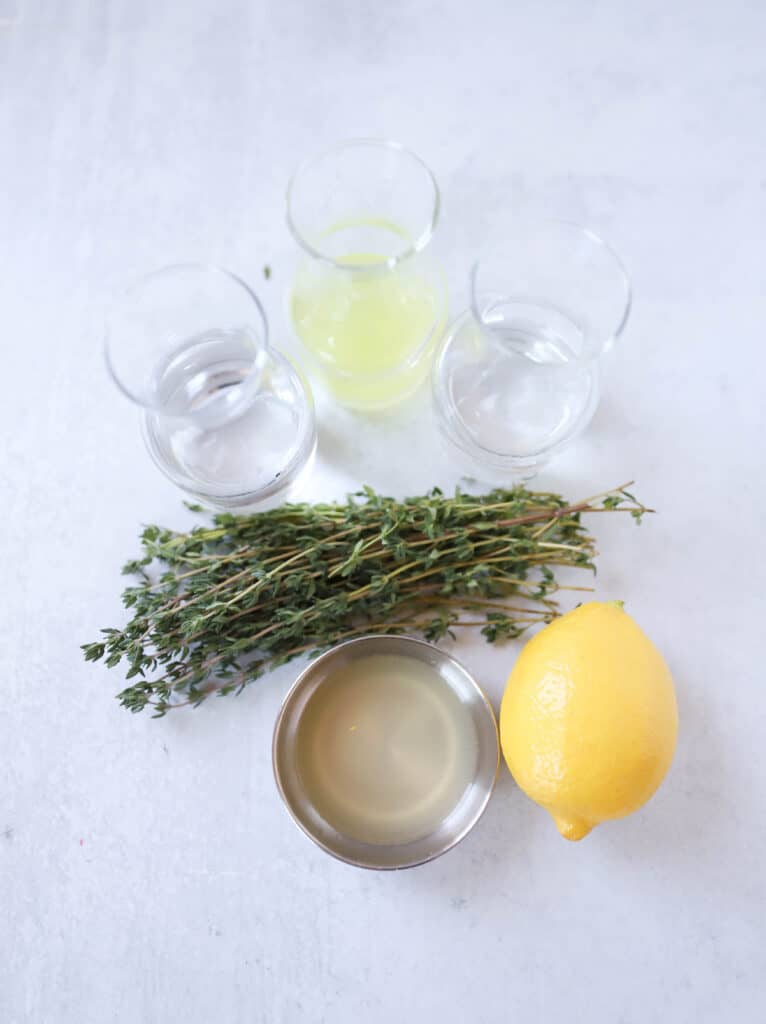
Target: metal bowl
(458, 822)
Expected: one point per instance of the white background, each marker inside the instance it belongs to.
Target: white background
(148, 872)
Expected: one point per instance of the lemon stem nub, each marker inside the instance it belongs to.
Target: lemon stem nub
(572, 828)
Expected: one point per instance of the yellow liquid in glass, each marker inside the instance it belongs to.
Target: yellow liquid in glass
(371, 331)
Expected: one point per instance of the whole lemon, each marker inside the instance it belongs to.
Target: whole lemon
(588, 720)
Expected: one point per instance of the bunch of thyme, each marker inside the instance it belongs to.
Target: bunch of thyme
(215, 608)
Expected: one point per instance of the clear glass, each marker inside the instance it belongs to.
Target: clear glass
(368, 301)
(517, 377)
(226, 417)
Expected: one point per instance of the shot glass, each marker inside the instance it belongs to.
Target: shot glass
(225, 416)
(368, 301)
(517, 376)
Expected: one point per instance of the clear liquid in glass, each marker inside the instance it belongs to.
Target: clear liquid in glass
(228, 412)
(521, 386)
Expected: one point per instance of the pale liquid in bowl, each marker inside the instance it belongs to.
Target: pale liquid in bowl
(386, 749)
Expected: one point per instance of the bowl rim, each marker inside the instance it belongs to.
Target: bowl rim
(310, 670)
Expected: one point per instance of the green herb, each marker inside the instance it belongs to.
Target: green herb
(215, 608)
(267, 271)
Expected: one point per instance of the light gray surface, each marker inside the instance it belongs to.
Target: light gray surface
(148, 872)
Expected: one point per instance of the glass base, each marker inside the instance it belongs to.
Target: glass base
(256, 456)
(369, 339)
(509, 399)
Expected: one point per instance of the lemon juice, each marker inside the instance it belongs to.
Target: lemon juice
(370, 324)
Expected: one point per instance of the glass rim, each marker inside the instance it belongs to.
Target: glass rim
(584, 231)
(127, 290)
(363, 141)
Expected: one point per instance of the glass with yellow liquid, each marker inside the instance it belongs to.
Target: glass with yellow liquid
(368, 302)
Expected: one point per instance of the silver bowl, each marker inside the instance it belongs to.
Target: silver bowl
(458, 822)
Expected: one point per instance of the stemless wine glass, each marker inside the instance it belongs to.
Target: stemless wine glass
(517, 377)
(367, 301)
(225, 416)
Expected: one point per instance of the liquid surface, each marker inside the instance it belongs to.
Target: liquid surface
(386, 749)
(209, 376)
(522, 391)
(234, 413)
(368, 325)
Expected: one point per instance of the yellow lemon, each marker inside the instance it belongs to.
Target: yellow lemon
(588, 720)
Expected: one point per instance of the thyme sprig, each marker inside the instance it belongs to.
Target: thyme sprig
(217, 607)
